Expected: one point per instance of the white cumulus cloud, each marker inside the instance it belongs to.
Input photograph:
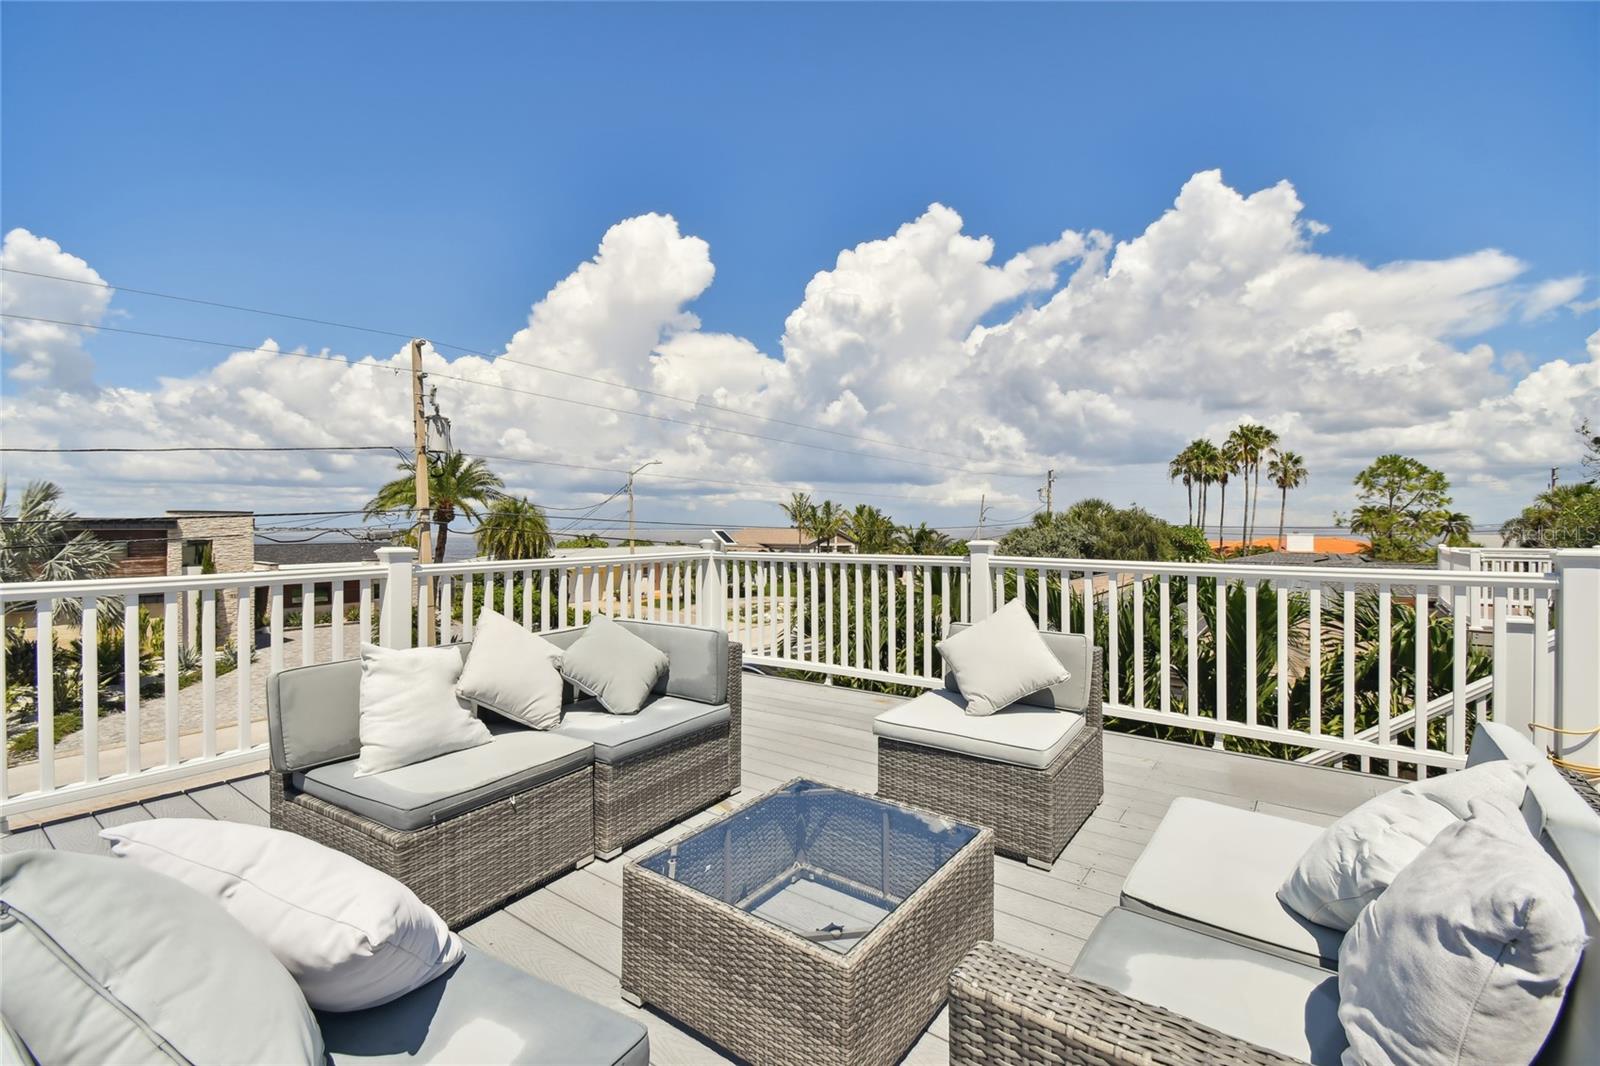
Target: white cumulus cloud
(1091, 356)
(46, 354)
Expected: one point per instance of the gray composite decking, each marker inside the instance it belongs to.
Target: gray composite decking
(569, 931)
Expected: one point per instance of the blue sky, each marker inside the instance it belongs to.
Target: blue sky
(437, 168)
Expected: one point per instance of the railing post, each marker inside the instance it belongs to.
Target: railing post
(1514, 668)
(714, 588)
(399, 586)
(1577, 662)
(978, 553)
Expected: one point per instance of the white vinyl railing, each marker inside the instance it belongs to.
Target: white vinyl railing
(1325, 665)
(164, 683)
(1518, 604)
(869, 617)
(1305, 655)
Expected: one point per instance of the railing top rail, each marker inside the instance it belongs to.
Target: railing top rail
(127, 586)
(1369, 575)
(480, 566)
(854, 557)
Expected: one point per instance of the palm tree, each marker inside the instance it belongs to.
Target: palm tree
(1204, 461)
(1456, 528)
(1287, 470)
(1259, 442)
(1224, 466)
(871, 529)
(38, 543)
(801, 513)
(828, 521)
(1182, 468)
(514, 528)
(456, 485)
(924, 540)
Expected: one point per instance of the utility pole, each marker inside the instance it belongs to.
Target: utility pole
(983, 513)
(631, 473)
(1048, 494)
(1553, 471)
(419, 428)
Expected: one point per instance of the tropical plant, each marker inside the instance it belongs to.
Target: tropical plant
(1204, 459)
(802, 514)
(1404, 504)
(924, 540)
(1095, 529)
(456, 485)
(1566, 516)
(1456, 529)
(873, 531)
(827, 523)
(514, 527)
(1224, 465)
(1182, 468)
(1258, 442)
(38, 543)
(1286, 470)
(583, 540)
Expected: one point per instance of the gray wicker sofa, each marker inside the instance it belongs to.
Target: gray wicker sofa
(1208, 969)
(1033, 772)
(471, 829)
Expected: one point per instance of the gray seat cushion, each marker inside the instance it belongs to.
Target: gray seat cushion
(1285, 1006)
(433, 790)
(1021, 734)
(1218, 870)
(618, 737)
(486, 1011)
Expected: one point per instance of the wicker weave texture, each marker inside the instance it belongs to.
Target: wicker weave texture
(1034, 813)
(1009, 1010)
(1587, 788)
(773, 998)
(466, 865)
(638, 797)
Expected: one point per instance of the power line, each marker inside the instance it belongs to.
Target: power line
(208, 303)
(540, 395)
(690, 400)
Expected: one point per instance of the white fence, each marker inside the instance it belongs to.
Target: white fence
(1482, 606)
(1325, 665)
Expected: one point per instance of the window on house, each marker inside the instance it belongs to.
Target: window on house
(198, 553)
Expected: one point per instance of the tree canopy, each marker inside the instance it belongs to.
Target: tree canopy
(1095, 529)
(1404, 506)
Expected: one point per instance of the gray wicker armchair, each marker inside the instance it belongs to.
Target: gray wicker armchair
(1034, 812)
(1009, 1009)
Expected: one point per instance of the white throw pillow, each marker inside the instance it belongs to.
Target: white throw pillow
(351, 936)
(1467, 956)
(409, 708)
(513, 673)
(616, 667)
(1359, 856)
(1001, 659)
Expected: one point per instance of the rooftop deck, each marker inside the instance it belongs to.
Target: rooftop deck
(570, 931)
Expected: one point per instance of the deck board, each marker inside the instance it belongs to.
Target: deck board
(569, 932)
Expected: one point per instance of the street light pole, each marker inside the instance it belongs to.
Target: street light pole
(631, 473)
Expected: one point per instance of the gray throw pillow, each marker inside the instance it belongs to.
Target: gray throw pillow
(616, 667)
(108, 962)
(1468, 954)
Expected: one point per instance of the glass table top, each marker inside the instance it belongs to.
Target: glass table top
(824, 863)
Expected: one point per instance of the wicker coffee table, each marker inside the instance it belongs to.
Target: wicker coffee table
(814, 925)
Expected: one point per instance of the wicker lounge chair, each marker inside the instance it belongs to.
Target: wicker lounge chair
(1033, 772)
(1142, 989)
(678, 755)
